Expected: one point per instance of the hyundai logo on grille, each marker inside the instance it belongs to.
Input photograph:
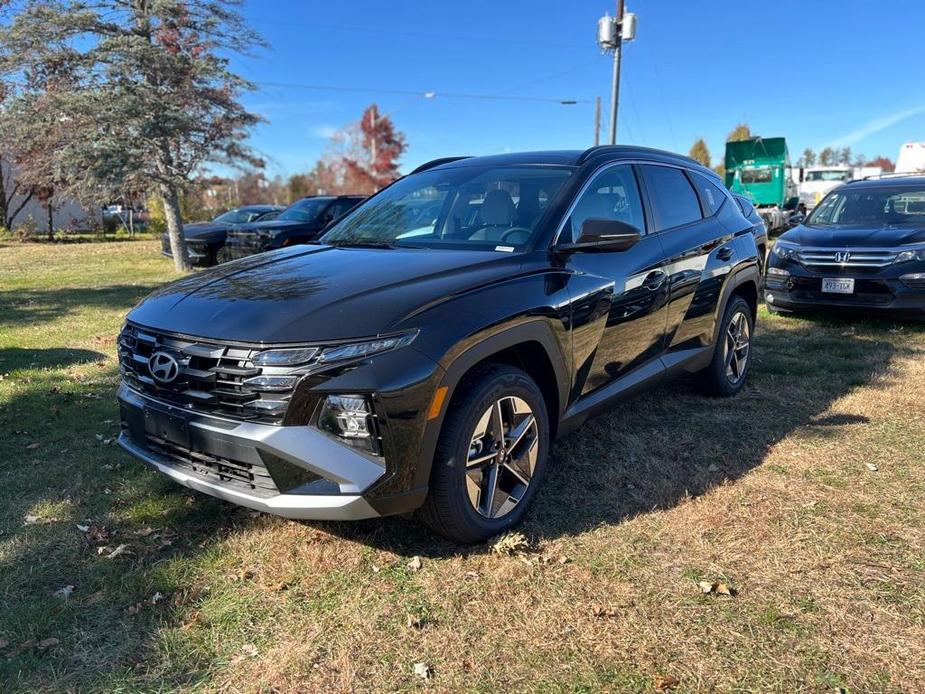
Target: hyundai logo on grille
(163, 367)
(842, 256)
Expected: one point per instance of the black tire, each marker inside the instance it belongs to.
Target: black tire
(449, 509)
(725, 377)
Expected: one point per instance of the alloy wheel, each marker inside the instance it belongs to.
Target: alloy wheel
(736, 347)
(502, 457)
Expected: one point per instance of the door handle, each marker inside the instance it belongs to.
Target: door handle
(725, 253)
(654, 280)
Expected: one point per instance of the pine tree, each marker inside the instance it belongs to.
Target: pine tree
(130, 93)
(739, 133)
(700, 152)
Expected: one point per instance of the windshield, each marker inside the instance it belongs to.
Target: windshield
(240, 216)
(465, 207)
(827, 176)
(755, 175)
(879, 207)
(305, 210)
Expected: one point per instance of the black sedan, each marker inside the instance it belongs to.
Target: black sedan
(205, 239)
(301, 222)
(863, 247)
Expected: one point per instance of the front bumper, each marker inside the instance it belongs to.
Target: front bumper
(802, 291)
(197, 252)
(290, 471)
(241, 245)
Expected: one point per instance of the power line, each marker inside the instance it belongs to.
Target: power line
(423, 93)
(424, 34)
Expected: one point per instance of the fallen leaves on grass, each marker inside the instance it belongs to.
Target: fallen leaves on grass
(64, 592)
(510, 543)
(117, 552)
(33, 446)
(139, 606)
(666, 682)
(415, 622)
(872, 467)
(717, 588)
(3, 644)
(145, 532)
(415, 564)
(422, 670)
(38, 520)
(602, 612)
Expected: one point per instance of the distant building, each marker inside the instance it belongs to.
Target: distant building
(68, 214)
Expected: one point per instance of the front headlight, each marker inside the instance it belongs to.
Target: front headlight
(358, 350)
(785, 251)
(285, 357)
(911, 254)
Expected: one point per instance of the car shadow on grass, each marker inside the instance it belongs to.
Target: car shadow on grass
(21, 307)
(661, 448)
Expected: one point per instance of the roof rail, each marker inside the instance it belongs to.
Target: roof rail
(629, 149)
(437, 162)
(891, 174)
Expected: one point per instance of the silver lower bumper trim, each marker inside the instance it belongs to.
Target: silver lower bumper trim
(295, 506)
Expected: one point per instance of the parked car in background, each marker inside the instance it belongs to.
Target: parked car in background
(759, 227)
(414, 360)
(863, 247)
(204, 240)
(301, 222)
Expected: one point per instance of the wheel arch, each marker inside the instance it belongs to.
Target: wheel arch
(531, 347)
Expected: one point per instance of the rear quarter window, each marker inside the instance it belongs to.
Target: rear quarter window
(711, 195)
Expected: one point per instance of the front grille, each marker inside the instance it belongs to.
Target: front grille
(868, 258)
(212, 377)
(232, 474)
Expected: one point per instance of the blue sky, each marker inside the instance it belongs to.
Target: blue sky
(819, 72)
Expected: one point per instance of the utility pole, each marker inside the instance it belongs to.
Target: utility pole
(611, 33)
(597, 121)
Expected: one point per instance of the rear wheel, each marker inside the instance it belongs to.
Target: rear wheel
(490, 458)
(732, 355)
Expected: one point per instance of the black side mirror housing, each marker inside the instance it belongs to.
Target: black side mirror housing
(796, 220)
(603, 235)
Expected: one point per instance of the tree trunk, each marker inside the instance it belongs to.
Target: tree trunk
(170, 199)
(4, 207)
(49, 210)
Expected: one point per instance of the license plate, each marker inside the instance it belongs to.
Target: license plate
(168, 427)
(838, 285)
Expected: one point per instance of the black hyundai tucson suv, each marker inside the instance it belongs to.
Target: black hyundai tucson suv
(861, 248)
(301, 222)
(424, 354)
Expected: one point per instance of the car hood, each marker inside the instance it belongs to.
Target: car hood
(317, 293)
(855, 236)
(205, 230)
(278, 225)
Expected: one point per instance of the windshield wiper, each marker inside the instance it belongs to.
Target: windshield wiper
(361, 243)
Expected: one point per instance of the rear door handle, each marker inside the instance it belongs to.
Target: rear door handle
(654, 280)
(725, 253)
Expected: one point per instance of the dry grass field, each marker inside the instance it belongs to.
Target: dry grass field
(803, 496)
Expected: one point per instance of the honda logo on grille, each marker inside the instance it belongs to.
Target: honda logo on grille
(164, 367)
(842, 256)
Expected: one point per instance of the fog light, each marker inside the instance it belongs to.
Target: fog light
(915, 280)
(350, 419)
(769, 298)
(272, 383)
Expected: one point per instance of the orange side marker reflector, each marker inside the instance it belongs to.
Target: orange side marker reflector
(437, 404)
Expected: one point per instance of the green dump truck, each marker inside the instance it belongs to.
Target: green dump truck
(759, 168)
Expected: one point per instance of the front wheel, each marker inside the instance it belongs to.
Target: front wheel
(732, 354)
(490, 457)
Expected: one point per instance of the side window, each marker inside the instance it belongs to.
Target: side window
(711, 195)
(674, 202)
(613, 194)
(339, 209)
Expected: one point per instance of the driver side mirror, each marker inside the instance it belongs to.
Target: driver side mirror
(796, 219)
(603, 235)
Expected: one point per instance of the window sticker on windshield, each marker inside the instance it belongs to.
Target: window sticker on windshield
(505, 249)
